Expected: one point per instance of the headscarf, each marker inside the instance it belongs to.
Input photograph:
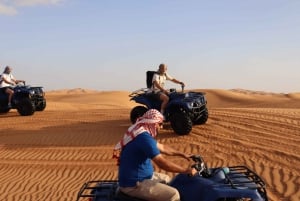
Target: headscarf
(145, 123)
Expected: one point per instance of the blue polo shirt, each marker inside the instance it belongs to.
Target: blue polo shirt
(135, 160)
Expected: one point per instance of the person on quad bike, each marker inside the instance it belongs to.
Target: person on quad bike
(7, 82)
(158, 83)
(135, 152)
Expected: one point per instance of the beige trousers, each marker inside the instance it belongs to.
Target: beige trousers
(154, 189)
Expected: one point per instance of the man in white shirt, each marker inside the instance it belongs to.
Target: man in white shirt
(158, 83)
(7, 82)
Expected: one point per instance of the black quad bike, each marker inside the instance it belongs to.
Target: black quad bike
(184, 109)
(235, 183)
(26, 100)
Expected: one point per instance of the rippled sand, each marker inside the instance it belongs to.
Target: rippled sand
(49, 155)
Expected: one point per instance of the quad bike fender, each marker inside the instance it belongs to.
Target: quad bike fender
(214, 187)
(177, 106)
(194, 188)
(148, 100)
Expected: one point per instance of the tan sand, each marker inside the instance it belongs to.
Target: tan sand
(49, 155)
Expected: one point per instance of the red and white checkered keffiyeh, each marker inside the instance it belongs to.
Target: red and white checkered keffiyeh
(145, 123)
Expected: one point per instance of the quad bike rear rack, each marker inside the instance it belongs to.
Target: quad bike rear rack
(89, 189)
(241, 177)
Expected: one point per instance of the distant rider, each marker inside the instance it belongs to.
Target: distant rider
(158, 83)
(7, 83)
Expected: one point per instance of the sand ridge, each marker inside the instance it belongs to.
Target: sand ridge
(49, 155)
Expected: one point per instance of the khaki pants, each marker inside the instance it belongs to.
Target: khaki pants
(154, 189)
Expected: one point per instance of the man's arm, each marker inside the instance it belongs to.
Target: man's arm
(4, 79)
(177, 81)
(170, 166)
(165, 149)
(18, 81)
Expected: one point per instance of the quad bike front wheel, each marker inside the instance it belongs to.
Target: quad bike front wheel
(26, 107)
(137, 112)
(41, 105)
(203, 118)
(181, 123)
(4, 109)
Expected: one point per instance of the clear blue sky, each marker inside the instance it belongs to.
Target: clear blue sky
(109, 44)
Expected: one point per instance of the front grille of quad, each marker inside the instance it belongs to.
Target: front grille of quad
(197, 100)
(38, 91)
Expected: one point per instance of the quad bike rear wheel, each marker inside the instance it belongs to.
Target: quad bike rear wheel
(181, 123)
(234, 199)
(137, 112)
(4, 109)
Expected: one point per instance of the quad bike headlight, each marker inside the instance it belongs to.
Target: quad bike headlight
(31, 92)
(190, 105)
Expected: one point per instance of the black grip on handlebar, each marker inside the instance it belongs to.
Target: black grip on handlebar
(196, 158)
(199, 165)
(196, 166)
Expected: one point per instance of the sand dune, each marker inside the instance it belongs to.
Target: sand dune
(49, 155)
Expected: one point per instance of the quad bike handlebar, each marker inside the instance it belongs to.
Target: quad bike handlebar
(200, 166)
(20, 84)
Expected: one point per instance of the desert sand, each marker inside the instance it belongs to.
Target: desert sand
(49, 155)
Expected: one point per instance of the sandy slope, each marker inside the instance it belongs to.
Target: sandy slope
(49, 155)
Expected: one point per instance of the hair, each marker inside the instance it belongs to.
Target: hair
(6, 69)
(161, 65)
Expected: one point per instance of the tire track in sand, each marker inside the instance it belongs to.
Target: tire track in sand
(266, 140)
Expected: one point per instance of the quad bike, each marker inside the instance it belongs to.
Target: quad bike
(183, 109)
(236, 183)
(26, 100)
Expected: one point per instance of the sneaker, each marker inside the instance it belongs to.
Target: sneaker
(9, 105)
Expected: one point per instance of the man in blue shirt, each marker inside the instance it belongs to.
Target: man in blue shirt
(138, 149)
